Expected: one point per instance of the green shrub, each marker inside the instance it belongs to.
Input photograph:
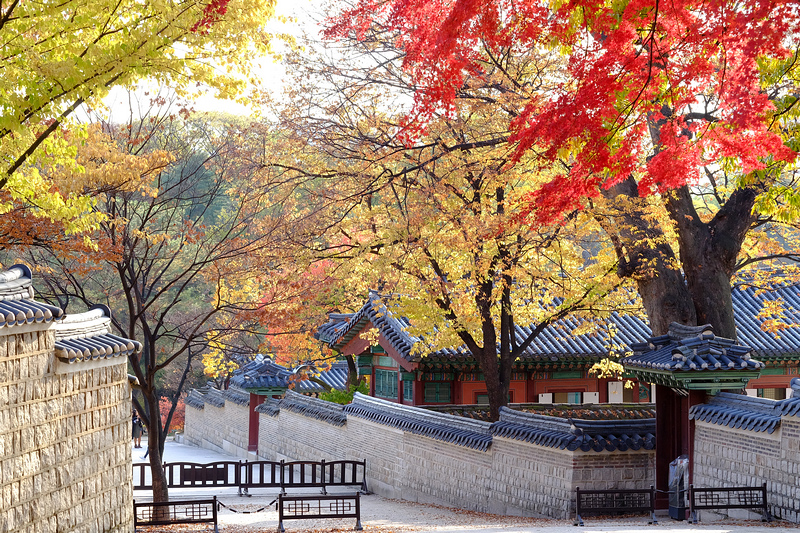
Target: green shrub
(345, 397)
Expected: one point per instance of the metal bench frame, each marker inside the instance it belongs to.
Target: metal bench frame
(719, 498)
(615, 501)
(178, 512)
(305, 507)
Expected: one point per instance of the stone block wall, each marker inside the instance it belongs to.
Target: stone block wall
(221, 426)
(65, 431)
(510, 477)
(728, 457)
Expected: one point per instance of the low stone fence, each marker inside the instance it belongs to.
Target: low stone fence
(746, 441)
(525, 464)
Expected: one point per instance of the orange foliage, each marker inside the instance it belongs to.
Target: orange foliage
(178, 418)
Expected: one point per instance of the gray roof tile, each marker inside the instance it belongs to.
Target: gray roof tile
(558, 342)
(574, 434)
(301, 404)
(687, 348)
(87, 336)
(263, 373)
(466, 432)
(740, 412)
(17, 306)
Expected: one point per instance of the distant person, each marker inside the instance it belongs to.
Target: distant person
(137, 431)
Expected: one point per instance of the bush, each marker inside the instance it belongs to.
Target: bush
(342, 397)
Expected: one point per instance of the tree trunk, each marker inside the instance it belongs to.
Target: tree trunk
(497, 378)
(155, 446)
(645, 256)
(709, 251)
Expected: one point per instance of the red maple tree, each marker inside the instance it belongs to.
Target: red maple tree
(652, 88)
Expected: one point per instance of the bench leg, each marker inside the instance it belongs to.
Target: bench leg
(358, 525)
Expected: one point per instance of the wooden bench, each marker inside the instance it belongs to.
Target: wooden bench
(323, 506)
(177, 512)
(615, 501)
(719, 498)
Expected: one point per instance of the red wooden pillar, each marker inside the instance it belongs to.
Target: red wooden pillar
(252, 431)
(674, 434)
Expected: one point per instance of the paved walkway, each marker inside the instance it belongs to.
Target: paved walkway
(383, 515)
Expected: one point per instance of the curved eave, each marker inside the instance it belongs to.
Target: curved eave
(712, 381)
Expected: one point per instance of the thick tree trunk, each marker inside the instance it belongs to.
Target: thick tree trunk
(498, 379)
(645, 256)
(708, 253)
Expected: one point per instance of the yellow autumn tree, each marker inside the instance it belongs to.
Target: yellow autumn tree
(56, 57)
(431, 215)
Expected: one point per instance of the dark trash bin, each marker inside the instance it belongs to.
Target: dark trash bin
(677, 487)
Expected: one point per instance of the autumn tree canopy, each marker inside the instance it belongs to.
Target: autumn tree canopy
(654, 98)
(434, 223)
(180, 257)
(57, 57)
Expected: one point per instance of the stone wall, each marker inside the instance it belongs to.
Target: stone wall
(742, 441)
(65, 429)
(727, 457)
(509, 476)
(221, 424)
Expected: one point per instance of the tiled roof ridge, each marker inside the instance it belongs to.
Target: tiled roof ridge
(739, 411)
(271, 407)
(265, 373)
(87, 336)
(684, 352)
(215, 397)
(195, 399)
(679, 331)
(571, 434)
(237, 395)
(16, 283)
(301, 404)
(457, 430)
(454, 421)
(17, 306)
(96, 320)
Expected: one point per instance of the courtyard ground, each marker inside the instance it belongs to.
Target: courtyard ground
(384, 515)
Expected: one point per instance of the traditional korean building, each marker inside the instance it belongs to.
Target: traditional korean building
(687, 366)
(555, 367)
